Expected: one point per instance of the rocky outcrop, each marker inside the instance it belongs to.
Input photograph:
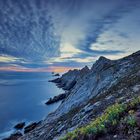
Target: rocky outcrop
(14, 136)
(101, 64)
(31, 127)
(56, 98)
(19, 125)
(107, 82)
(57, 74)
(69, 79)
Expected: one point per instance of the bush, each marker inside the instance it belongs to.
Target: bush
(131, 120)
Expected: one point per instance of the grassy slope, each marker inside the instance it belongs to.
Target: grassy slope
(117, 119)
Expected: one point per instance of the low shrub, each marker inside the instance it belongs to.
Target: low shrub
(111, 116)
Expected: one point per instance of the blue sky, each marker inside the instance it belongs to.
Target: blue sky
(44, 34)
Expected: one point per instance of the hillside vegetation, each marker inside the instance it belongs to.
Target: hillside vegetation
(117, 121)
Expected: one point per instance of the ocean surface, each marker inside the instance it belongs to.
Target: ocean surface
(23, 97)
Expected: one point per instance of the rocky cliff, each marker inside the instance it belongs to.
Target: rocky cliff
(91, 91)
(69, 79)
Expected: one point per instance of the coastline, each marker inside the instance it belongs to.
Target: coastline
(41, 104)
(109, 83)
(106, 78)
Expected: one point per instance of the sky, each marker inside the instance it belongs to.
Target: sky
(57, 35)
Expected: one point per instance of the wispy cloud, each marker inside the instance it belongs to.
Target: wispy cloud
(36, 35)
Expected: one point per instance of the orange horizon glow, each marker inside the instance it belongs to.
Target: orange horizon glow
(56, 69)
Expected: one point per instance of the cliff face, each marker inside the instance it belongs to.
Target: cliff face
(90, 92)
(69, 79)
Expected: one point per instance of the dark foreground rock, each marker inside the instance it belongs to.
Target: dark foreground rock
(31, 127)
(14, 136)
(56, 99)
(19, 125)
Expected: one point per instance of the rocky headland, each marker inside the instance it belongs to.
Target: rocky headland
(91, 93)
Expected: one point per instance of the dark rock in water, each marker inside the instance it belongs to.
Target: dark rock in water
(14, 136)
(30, 127)
(56, 99)
(57, 74)
(57, 80)
(19, 125)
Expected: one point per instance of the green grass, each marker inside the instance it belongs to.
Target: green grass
(110, 116)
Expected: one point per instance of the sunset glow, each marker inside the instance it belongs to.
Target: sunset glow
(49, 69)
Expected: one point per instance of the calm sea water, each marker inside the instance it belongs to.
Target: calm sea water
(22, 98)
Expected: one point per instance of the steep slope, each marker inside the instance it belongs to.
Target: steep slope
(108, 81)
(120, 121)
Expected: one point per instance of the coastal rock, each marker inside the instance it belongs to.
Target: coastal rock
(69, 79)
(14, 136)
(19, 125)
(31, 126)
(56, 99)
(57, 80)
(57, 74)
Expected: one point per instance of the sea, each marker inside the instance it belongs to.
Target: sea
(22, 98)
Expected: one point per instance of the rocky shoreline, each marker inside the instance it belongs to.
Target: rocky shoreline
(91, 91)
(21, 129)
(56, 98)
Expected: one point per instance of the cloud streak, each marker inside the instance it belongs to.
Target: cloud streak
(36, 35)
(47, 69)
